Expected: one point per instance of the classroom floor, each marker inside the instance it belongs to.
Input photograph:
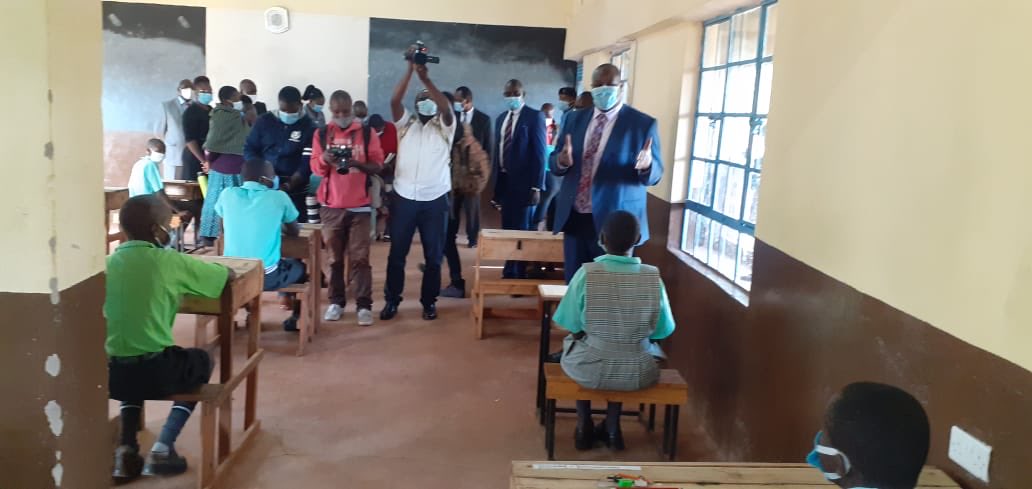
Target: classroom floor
(404, 403)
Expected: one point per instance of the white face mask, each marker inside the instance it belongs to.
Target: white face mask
(254, 96)
(157, 157)
(186, 93)
(239, 105)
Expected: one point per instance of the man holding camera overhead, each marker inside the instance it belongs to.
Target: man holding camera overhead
(344, 153)
(422, 180)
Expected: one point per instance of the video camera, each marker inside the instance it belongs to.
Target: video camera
(345, 155)
(419, 55)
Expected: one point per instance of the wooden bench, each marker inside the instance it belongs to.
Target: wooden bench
(114, 199)
(671, 391)
(503, 244)
(306, 323)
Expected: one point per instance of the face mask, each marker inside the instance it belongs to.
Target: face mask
(344, 122)
(167, 241)
(238, 105)
(814, 458)
(426, 107)
(289, 117)
(186, 93)
(317, 108)
(606, 97)
(514, 103)
(204, 98)
(457, 106)
(157, 157)
(253, 96)
(563, 106)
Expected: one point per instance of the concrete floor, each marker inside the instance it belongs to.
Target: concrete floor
(404, 403)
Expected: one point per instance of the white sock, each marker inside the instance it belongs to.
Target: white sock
(159, 447)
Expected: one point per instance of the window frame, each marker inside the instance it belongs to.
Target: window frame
(741, 225)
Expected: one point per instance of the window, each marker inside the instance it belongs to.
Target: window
(622, 60)
(728, 146)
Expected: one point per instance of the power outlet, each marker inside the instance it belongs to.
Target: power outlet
(970, 453)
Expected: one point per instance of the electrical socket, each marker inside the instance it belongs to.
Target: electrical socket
(970, 453)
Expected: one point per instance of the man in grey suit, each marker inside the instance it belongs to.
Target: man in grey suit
(171, 131)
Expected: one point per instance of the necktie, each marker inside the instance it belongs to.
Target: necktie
(507, 144)
(583, 202)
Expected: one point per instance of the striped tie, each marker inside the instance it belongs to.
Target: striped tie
(583, 202)
(508, 139)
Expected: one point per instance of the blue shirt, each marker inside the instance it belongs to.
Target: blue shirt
(145, 178)
(252, 217)
(570, 312)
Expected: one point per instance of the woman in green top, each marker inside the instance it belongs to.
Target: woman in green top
(614, 308)
(227, 131)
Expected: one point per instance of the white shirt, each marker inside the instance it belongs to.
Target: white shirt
(423, 170)
(467, 117)
(515, 116)
(606, 132)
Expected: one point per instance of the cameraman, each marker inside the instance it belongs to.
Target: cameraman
(422, 181)
(344, 194)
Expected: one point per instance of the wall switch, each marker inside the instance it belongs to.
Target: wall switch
(970, 453)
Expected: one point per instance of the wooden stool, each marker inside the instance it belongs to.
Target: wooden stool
(671, 391)
(306, 323)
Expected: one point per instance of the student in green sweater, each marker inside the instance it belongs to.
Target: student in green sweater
(227, 131)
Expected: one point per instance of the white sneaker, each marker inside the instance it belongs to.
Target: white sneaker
(333, 313)
(365, 317)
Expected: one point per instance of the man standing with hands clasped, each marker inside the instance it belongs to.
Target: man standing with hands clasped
(422, 180)
(600, 177)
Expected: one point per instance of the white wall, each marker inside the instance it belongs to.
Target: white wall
(329, 51)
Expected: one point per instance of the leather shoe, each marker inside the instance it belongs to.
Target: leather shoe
(389, 311)
(454, 291)
(612, 440)
(430, 312)
(128, 465)
(584, 437)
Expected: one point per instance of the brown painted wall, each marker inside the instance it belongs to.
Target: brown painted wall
(33, 329)
(761, 376)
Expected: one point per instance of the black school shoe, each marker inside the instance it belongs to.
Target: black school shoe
(430, 312)
(128, 465)
(389, 311)
(170, 463)
(612, 440)
(454, 291)
(584, 437)
(290, 324)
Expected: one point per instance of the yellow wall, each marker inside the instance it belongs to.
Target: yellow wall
(898, 159)
(540, 13)
(59, 198)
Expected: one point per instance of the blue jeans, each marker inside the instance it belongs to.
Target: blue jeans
(431, 219)
(290, 271)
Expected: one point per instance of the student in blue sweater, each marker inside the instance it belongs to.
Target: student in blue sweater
(284, 138)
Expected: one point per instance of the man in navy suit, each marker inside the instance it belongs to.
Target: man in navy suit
(519, 164)
(607, 156)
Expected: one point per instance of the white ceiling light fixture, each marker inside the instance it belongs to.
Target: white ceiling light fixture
(277, 21)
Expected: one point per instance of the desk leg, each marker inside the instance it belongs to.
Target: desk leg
(546, 321)
(225, 374)
(254, 326)
(315, 281)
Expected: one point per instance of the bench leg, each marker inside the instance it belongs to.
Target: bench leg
(303, 323)
(666, 429)
(673, 432)
(546, 330)
(478, 315)
(652, 418)
(550, 428)
(206, 470)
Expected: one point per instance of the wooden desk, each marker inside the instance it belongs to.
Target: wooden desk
(308, 246)
(183, 190)
(504, 244)
(548, 297)
(586, 475)
(114, 199)
(244, 290)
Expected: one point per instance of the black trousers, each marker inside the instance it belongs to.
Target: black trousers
(174, 370)
(470, 206)
(580, 243)
(430, 218)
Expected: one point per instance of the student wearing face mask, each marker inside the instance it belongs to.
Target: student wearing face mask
(195, 129)
(145, 284)
(422, 181)
(361, 110)
(607, 158)
(250, 90)
(284, 138)
(225, 152)
(170, 129)
(314, 103)
(874, 436)
(519, 165)
(145, 178)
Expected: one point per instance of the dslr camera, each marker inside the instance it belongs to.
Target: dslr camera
(345, 155)
(419, 55)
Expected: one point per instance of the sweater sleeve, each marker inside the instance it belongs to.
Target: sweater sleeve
(319, 167)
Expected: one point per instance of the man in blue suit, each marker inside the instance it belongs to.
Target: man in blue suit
(519, 165)
(607, 156)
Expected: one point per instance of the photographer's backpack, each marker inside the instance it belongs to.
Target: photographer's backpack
(471, 165)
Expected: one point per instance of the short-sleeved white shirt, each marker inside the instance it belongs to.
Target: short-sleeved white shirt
(423, 170)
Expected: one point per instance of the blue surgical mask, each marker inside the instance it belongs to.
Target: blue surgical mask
(457, 106)
(814, 458)
(513, 103)
(238, 105)
(204, 98)
(289, 117)
(275, 182)
(426, 107)
(606, 97)
(317, 108)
